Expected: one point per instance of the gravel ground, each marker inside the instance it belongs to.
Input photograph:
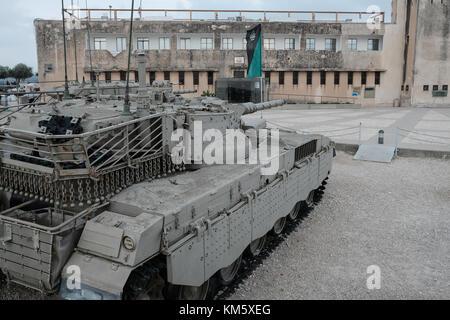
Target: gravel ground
(395, 216)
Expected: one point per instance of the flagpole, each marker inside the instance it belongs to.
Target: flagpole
(262, 48)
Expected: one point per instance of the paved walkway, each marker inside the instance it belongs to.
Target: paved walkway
(413, 128)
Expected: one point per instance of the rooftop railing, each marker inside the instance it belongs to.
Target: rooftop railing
(257, 15)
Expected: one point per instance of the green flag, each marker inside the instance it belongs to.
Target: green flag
(254, 52)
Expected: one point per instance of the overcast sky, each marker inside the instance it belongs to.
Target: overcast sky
(17, 40)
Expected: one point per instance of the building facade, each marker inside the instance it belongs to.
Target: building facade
(403, 62)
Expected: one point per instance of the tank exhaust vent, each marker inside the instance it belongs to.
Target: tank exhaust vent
(305, 150)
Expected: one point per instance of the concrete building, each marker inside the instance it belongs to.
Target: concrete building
(401, 62)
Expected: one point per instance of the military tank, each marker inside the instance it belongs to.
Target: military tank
(103, 203)
(102, 90)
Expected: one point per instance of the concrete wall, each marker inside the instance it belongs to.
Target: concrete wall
(432, 52)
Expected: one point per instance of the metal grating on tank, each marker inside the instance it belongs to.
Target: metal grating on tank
(33, 243)
(79, 169)
(305, 150)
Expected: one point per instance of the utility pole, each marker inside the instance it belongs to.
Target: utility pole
(126, 105)
(76, 55)
(66, 81)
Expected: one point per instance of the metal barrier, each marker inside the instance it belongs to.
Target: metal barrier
(400, 132)
(310, 99)
(424, 138)
(334, 133)
(114, 13)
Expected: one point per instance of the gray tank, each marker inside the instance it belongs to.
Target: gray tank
(101, 204)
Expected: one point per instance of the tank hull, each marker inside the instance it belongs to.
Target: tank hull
(204, 219)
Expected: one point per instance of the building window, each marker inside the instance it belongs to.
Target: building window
(426, 87)
(309, 78)
(121, 44)
(267, 77)
(244, 43)
(108, 76)
(136, 76)
(99, 44)
(289, 44)
(93, 76)
(210, 78)
(152, 76)
(281, 78)
(206, 43)
(196, 78)
(377, 78)
(337, 77)
(269, 44)
(295, 78)
(164, 43)
(167, 75)
(185, 43)
(239, 74)
(352, 44)
(363, 78)
(143, 44)
(123, 76)
(373, 45)
(445, 87)
(227, 44)
(350, 78)
(323, 78)
(181, 78)
(310, 44)
(48, 68)
(330, 44)
(407, 87)
(435, 87)
(369, 93)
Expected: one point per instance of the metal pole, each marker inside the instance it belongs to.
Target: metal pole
(262, 97)
(126, 105)
(360, 133)
(76, 56)
(97, 77)
(89, 46)
(396, 142)
(66, 82)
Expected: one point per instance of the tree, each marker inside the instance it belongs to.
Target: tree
(20, 72)
(5, 72)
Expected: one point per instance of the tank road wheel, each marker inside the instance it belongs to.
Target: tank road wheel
(146, 282)
(4, 202)
(2, 278)
(193, 293)
(293, 215)
(309, 202)
(226, 275)
(278, 227)
(177, 292)
(255, 247)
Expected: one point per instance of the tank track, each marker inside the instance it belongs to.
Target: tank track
(143, 279)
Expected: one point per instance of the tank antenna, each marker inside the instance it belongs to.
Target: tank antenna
(66, 82)
(89, 45)
(126, 105)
